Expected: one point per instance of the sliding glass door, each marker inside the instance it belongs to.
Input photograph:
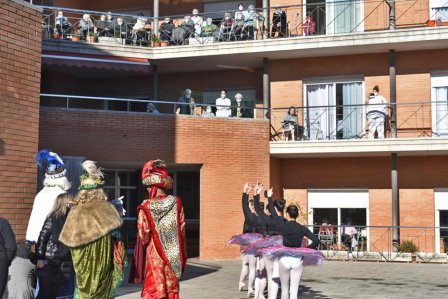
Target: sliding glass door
(334, 111)
(344, 16)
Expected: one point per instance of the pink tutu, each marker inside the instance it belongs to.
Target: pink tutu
(266, 242)
(311, 257)
(245, 239)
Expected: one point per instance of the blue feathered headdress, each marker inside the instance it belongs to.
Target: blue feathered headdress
(52, 163)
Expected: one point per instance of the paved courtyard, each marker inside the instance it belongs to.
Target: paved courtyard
(334, 279)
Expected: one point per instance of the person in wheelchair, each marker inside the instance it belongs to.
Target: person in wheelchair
(290, 124)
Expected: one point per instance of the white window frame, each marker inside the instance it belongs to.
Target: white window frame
(440, 203)
(439, 79)
(333, 80)
(117, 187)
(339, 199)
(435, 4)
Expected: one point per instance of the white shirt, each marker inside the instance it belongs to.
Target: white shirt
(375, 105)
(198, 23)
(43, 204)
(223, 107)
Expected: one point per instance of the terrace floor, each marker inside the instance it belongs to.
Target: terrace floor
(334, 279)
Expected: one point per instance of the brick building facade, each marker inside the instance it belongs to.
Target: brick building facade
(20, 71)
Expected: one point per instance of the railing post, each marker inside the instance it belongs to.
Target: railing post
(266, 92)
(156, 18)
(395, 205)
(266, 19)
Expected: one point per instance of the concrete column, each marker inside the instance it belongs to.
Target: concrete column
(155, 82)
(391, 4)
(156, 18)
(395, 202)
(266, 18)
(266, 87)
(393, 92)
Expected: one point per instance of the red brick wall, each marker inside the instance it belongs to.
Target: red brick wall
(20, 47)
(230, 151)
(20, 43)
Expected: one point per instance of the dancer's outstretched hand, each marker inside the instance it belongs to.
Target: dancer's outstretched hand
(247, 188)
(270, 192)
(259, 188)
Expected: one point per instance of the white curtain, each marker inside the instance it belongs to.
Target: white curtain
(441, 120)
(352, 116)
(344, 16)
(320, 114)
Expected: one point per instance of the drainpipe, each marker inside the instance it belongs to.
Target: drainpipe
(266, 92)
(266, 18)
(155, 82)
(156, 18)
(394, 169)
(391, 4)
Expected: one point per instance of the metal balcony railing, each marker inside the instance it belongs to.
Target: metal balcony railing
(335, 122)
(323, 18)
(375, 243)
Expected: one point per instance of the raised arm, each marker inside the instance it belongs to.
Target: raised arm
(245, 201)
(271, 207)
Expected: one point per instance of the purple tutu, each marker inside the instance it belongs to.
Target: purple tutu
(311, 257)
(244, 239)
(266, 242)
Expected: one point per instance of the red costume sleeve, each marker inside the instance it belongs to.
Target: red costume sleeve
(182, 233)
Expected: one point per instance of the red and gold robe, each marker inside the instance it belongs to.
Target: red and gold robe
(161, 230)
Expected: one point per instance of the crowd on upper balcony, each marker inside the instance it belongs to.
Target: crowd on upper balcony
(241, 24)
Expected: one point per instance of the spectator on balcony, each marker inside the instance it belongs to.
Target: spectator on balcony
(151, 108)
(166, 29)
(110, 18)
(291, 122)
(240, 10)
(120, 28)
(279, 23)
(85, 27)
(186, 102)
(63, 26)
(210, 29)
(208, 112)
(103, 27)
(376, 113)
(226, 27)
(223, 106)
(309, 26)
(238, 25)
(239, 111)
(198, 22)
(183, 32)
(141, 31)
(250, 18)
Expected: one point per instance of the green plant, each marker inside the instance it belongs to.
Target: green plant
(91, 33)
(408, 246)
(155, 39)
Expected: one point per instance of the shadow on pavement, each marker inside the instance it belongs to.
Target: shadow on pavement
(196, 269)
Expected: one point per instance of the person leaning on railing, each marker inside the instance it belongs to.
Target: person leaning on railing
(120, 28)
(198, 22)
(103, 27)
(226, 27)
(376, 113)
(238, 25)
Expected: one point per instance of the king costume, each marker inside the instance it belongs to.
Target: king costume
(92, 233)
(161, 240)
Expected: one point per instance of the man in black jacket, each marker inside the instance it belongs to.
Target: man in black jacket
(7, 251)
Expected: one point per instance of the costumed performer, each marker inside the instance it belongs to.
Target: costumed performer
(91, 231)
(161, 240)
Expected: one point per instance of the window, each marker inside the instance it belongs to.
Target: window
(439, 99)
(336, 16)
(441, 220)
(340, 208)
(439, 10)
(334, 110)
(123, 183)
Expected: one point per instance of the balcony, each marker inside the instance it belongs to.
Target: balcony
(344, 131)
(353, 27)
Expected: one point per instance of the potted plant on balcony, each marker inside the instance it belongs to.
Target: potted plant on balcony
(75, 38)
(408, 246)
(164, 43)
(155, 40)
(91, 37)
(431, 23)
